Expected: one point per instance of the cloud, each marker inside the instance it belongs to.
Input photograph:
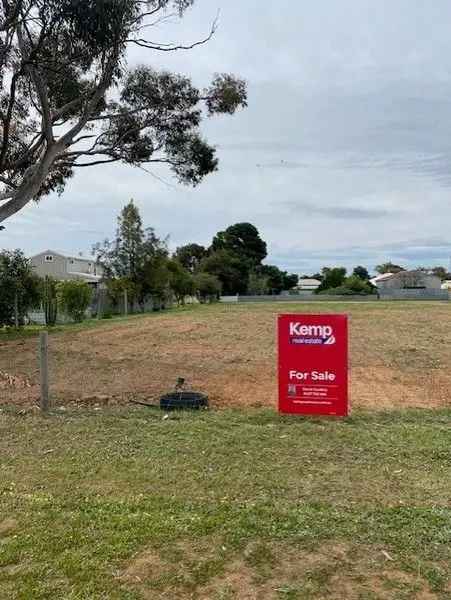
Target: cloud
(409, 253)
(343, 156)
(338, 212)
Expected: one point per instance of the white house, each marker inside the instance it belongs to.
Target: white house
(308, 285)
(407, 280)
(63, 267)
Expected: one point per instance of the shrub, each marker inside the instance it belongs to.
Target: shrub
(49, 300)
(352, 286)
(116, 289)
(19, 287)
(342, 291)
(181, 281)
(208, 287)
(358, 285)
(258, 284)
(74, 298)
(332, 278)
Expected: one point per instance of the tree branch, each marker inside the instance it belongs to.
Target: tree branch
(37, 79)
(7, 120)
(96, 162)
(143, 43)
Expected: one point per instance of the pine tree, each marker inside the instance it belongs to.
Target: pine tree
(129, 243)
(134, 258)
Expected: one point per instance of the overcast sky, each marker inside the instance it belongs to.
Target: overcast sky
(343, 156)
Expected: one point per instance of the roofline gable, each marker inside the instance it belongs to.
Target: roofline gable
(52, 252)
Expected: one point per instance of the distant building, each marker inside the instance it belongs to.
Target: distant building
(380, 278)
(62, 267)
(308, 285)
(407, 280)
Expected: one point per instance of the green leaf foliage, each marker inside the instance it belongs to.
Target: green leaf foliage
(64, 78)
(208, 287)
(388, 267)
(243, 241)
(190, 255)
(232, 272)
(181, 281)
(332, 278)
(74, 298)
(19, 287)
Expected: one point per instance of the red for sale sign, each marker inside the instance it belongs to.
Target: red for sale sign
(313, 364)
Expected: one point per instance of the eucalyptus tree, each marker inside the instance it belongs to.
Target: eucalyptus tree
(68, 99)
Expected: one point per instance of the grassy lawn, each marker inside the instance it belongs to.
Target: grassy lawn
(123, 504)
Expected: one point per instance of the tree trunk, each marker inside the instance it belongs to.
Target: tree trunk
(31, 183)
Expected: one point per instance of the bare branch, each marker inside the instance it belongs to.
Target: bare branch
(143, 43)
(96, 162)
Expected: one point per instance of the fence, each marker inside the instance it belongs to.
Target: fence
(308, 297)
(414, 294)
(387, 294)
(81, 369)
(102, 306)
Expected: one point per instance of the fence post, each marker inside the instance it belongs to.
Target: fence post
(125, 303)
(44, 369)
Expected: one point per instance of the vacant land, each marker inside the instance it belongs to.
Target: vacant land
(119, 502)
(222, 505)
(400, 356)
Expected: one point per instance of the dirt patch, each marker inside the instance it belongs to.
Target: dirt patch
(271, 572)
(146, 565)
(7, 527)
(400, 357)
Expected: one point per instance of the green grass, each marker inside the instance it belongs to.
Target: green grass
(122, 504)
(8, 334)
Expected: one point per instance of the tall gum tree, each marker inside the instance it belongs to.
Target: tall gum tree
(68, 100)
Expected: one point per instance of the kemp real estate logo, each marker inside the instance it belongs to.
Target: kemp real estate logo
(315, 335)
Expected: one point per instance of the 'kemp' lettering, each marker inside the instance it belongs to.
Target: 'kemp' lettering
(322, 331)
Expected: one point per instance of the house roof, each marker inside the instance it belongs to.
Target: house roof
(401, 275)
(414, 272)
(309, 280)
(380, 278)
(49, 252)
(81, 258)
(86, 276)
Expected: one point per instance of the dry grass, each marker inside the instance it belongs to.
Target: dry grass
(400, 356)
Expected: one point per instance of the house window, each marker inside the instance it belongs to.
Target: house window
(48, 258)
